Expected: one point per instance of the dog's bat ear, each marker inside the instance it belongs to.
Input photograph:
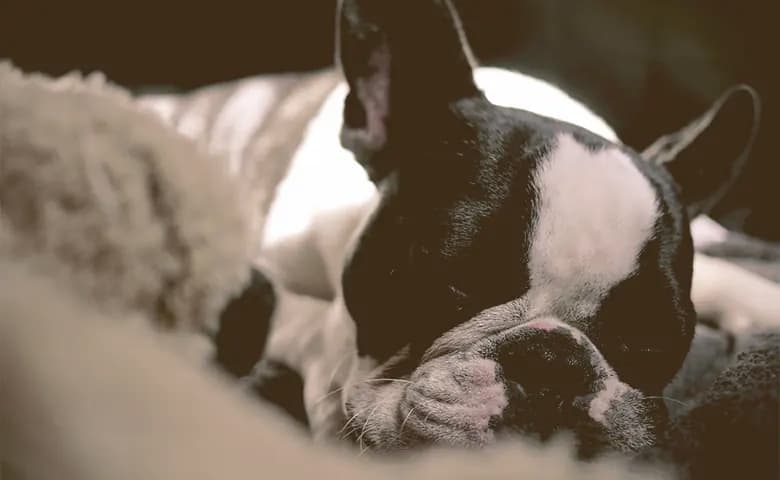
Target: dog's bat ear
(404, 60)
(706, 156)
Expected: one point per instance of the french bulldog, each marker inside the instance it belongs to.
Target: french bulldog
(461, 253)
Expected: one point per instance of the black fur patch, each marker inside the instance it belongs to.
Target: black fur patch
(244, 326)
(281, 386)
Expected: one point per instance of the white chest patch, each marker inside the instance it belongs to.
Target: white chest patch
(595, 212)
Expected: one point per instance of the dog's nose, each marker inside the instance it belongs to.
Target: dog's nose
(549, 358)
(551, 371)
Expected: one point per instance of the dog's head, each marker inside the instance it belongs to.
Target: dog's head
(519, 273)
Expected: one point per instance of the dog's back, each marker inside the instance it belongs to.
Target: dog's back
(253, 124)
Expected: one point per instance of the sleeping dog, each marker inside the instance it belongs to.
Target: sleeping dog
(461, 253)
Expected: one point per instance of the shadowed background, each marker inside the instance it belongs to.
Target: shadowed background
(646, 66)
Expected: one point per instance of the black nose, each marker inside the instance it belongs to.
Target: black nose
(550, 373)
(551, 361)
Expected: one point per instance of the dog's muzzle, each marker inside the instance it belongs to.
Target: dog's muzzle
(552, 374)
(536, 379)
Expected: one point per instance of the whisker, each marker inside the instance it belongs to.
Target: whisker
(660, 397)
(365, 424)
(396, 380)
(425, 420)
(332, 392)
(349, 433)
(403, 424)
(371, 380)
(330, 380)
(336, 368)
(348, 422)
(343, 432)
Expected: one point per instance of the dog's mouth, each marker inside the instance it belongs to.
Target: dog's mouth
(535, 380)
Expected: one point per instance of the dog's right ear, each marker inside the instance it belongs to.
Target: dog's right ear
(404, 61)
(706, 157)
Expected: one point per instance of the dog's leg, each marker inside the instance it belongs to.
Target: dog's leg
(315, 338)
(732, 297)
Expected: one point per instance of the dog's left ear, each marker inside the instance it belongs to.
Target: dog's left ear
(404, 61)
(706, 156)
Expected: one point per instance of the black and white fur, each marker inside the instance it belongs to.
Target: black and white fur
(449, 243)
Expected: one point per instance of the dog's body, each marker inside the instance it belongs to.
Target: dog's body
(436, 275)
(320, 206)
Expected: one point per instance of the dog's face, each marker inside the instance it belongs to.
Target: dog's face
(519, 273)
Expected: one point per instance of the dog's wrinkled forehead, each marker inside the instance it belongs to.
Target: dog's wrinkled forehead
(594, 212)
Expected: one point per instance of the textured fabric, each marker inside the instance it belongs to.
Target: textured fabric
(92, 192)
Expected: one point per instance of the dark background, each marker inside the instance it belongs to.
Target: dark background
(646, 66)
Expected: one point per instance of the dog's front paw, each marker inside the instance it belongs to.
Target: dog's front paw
(454, 401)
